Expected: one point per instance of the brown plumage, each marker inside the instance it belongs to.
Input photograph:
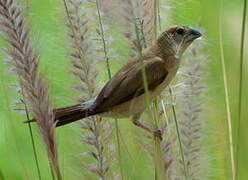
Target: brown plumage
(123, 95)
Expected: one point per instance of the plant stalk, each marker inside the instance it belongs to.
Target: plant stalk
(242, 46)
(186, 171)
(109, 76)
(228, 110)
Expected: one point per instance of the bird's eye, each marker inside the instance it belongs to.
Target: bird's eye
(180, 31)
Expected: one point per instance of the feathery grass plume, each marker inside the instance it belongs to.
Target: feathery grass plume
(129, 18)
(135, 19)
(190, 107)
(148, 16)
(97, 132)
(25, 63)
(142, 13)
(83, 60)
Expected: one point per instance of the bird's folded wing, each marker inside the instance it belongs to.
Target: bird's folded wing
(128, 83)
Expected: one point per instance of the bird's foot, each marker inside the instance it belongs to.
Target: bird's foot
(159, 134)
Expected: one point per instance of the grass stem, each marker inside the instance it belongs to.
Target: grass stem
(142, 64)
(159, 173)
(242, 46)
(51, 170)
(31, 135)
(159, 15)
(103, 38)
(186, 171)
(155, 19)
(117, 133)
(229, 120)
(158, 158)
(109, 75)
(34, 148)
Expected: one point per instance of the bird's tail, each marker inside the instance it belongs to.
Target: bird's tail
(69, 114)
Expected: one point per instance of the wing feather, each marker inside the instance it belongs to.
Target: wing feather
(128, 83)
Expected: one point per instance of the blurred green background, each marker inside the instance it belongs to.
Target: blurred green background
(47, 17)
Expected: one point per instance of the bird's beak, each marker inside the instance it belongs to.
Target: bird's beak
(193, 34)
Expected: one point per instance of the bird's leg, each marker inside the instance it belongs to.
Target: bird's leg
(136, 122)
(142, 125)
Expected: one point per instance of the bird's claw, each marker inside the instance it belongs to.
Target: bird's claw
(158, 133)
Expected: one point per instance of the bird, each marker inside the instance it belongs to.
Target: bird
(124, 95)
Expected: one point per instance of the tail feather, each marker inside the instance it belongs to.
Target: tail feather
(70, 114)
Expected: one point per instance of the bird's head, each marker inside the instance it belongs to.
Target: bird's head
(176, 39)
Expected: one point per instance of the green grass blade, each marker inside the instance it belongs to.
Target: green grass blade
(228, 110)
(242, 46)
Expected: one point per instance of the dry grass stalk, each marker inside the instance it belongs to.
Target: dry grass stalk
(97, 132)
(25, 62)
(144, 13)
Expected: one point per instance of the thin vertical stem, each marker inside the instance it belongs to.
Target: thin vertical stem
(117, 132)
(142, 64)
(103, 38)
(31, 135)
(109, 75)
(142, 33)
(228, 110)
(51, 170)
(155, 19)
(27, 7)
(159, 168)
(33, 142)
(186, 172)
(242, 45)
(159, 16)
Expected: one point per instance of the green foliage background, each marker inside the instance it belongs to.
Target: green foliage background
(49, 34)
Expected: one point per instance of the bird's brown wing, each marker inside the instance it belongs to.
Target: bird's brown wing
(128, 83)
